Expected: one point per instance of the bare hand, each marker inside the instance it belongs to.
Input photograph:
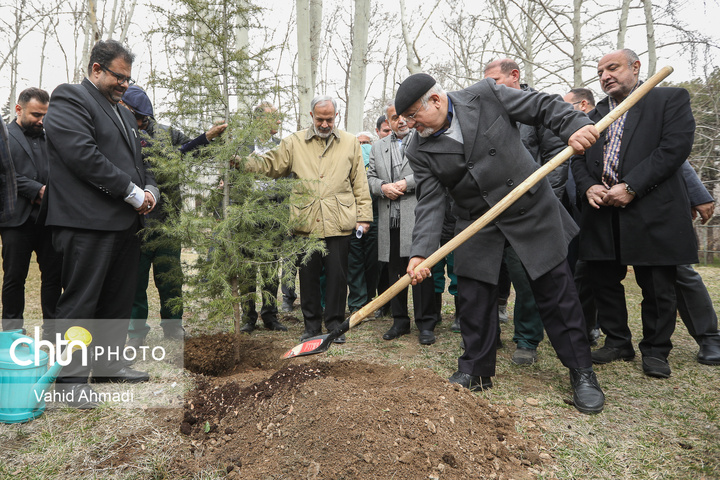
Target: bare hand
(215, 131)
(617, 196)
(705, 211)
(401, 185)
(584, 138)
(391, 191)
(417, 275)
(364, 225)
(147, 205)
(40, 195)
(595, 195)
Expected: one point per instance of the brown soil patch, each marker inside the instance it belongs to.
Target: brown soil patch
(338, 419)
(214, 355)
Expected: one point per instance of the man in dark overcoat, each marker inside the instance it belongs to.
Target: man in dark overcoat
(636, 211)
(468, 142)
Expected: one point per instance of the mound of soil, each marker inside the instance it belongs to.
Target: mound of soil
(215, 355)
(340, 419)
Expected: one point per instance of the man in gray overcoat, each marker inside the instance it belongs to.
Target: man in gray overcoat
(468, 142)
(391, 179)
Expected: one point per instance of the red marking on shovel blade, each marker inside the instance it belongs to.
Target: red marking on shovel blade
(304, 347)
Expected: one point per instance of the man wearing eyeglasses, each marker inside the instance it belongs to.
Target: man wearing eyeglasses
(98, 194)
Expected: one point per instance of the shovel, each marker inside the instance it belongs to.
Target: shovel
(321, 343)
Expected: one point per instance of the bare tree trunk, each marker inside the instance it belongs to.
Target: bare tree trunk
(113, 18)
(577, 43)
(315, 33)
(92, 35)
(358, 67)
(650, 33)
(304, 64)
(622, 28)
(412, 62)
(126, 23)
(529, 56)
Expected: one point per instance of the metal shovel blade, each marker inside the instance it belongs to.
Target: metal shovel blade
(318, 344)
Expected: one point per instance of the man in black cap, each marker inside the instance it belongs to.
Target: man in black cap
(468, 142)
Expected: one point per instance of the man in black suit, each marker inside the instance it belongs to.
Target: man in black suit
(636, 211)
(8, 187)
(468, 142)
(98, 194)
(26, 232)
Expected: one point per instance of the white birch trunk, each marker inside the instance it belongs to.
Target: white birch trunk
(577, 44)
(315, 33)
(358, 67)
(650, 33)
(622, 28)
(304, 64)
(411, 61)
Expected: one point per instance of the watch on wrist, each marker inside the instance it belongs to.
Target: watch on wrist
(629, 190)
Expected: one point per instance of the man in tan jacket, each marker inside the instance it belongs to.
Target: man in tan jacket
(332, 200)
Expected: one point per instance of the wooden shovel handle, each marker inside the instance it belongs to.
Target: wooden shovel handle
(509, 199)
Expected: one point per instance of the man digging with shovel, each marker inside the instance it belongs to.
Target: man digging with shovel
(468, 142)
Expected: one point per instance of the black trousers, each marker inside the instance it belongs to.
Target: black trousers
(695, 306)
(559, 307)
(335, 263)
(658, 307)
(18, 244)
(99, 275)
(423, 294)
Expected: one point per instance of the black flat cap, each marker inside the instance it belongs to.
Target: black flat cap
(411, 89)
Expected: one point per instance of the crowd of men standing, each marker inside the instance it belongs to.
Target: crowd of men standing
(443, 159)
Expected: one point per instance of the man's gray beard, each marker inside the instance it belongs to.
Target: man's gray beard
(322, 135)
(426, 133)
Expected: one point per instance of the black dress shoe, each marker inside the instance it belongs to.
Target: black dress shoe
(124, 375)
(588, 397)
(77, 395)
(455, 327)
(709, 355)
(471, 382)
(426, 337)
(395, 332)
(656, 367)
(275, 326)
(175, 332)
(247, 328)
(307, 335)
(604, 355)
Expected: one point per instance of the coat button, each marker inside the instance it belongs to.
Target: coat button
(522, 211)
(492, 151)
(317, 220)
(484, 193)
(321, 176)
(470, 165)
(597, 163)
(510, 182)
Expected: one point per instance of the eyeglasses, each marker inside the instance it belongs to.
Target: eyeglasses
(412, 117)
(120, 78)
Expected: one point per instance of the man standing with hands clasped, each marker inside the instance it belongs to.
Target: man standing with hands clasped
(98, 195)
(468, 142)
(636, 211)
